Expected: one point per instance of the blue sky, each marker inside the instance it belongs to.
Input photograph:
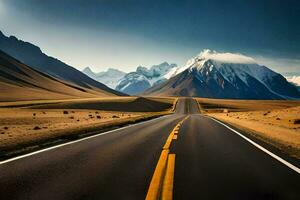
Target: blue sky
(127, 33)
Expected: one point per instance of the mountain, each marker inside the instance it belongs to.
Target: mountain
(143, 78)
(109, 78)
(21, 82)
(88, 71)
(294, 79)
(32, 56)
(225, 75)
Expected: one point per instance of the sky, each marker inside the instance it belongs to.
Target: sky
(124, 34)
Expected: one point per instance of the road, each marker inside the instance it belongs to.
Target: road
(211, 162)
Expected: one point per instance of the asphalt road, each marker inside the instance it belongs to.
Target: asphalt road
(212, 162)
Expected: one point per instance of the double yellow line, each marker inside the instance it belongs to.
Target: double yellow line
(161, 185)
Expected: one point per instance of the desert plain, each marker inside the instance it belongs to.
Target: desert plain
(275, 122)
(26, 125)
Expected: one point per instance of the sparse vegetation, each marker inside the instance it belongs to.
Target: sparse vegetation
(297, 121)
(36, 128)
(274, 122)
(57, 123)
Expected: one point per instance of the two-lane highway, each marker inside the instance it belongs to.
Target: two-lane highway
(211, 162)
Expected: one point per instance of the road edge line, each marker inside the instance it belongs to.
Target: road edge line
(286, 163)
(75, 141)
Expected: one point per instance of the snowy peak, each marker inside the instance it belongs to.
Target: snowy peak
(134, 82)
(236, 58)
(216, 57)
(143, 78)
(89, 72)
(225, 75)
(109, 78)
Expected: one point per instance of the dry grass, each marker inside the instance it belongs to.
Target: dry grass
(27, 125)
(275, 122)
(221, 105)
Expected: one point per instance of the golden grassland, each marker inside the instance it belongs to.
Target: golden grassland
(25, 125)
(273, 121)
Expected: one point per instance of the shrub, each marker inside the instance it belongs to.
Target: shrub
(297, 121)
(36, 128)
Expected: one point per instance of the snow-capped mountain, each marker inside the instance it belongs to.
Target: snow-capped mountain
(110, 77)
(225, 75)
(143, 78)
(293, 79)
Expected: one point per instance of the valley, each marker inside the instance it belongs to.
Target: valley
(221, 126)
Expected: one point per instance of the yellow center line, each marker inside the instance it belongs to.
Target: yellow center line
(161, 185)
(167, 191)
(155, 184)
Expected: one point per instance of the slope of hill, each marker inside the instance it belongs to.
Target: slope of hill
(21, 82)
(32, 56)
(225, 75)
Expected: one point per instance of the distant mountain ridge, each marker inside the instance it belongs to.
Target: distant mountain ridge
(34, 57)
(144, 78)
(110, 77)
(225, 75)
(133, 82)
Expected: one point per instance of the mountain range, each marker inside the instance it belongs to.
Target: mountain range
(210, 74)
(109, 78)
(21, 82)
(32, 56)
(225, 75)
(133, 82)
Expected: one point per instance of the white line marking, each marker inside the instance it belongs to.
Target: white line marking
(291, 166)
(75, 141)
